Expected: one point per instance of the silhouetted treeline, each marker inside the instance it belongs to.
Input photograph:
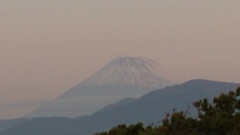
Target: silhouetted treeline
(221, 116)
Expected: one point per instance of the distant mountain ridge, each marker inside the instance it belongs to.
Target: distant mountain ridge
(122, 77)
(6, 124)
(147, 109)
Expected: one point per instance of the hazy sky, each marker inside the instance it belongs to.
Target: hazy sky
(48, 46)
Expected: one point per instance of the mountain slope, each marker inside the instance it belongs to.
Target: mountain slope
(122, 77)
(149, 108)
(5, 124)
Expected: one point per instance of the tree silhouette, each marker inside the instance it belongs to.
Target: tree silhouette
(221, 116)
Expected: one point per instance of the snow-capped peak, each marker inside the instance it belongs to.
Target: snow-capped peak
(134, 71)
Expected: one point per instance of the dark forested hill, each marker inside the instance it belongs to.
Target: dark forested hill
(147, 109)
(218, 116)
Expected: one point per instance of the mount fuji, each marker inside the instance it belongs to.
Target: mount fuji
(123, 77)
(135, 71)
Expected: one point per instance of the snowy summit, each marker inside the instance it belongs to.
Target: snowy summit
(134, 71)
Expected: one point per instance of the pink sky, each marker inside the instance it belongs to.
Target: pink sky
(46, 47)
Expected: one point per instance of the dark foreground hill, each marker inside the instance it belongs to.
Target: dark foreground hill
(147, 109)
(219, 116)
